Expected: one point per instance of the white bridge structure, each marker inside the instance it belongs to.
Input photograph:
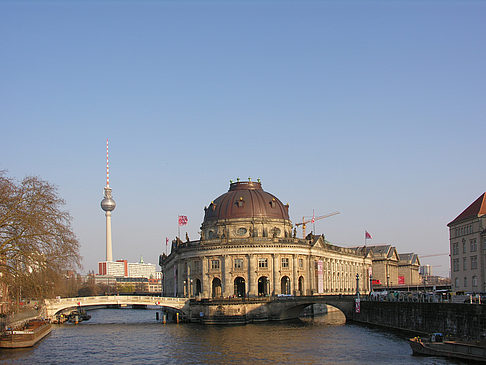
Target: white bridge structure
(54, 306)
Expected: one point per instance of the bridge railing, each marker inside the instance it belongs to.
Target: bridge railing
(113, 298)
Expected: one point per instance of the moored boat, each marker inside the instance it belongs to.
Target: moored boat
(28, 336)
(437, 347)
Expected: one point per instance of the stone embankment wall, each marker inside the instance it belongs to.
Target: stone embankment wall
(466, 321)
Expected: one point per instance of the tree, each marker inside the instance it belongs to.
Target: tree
(37, 244)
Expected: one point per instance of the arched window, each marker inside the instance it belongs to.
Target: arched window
(474, 281)
(216, 288)
(263, 286)
(301, 285)
(197, 287)
(285, 285)
(239, 287)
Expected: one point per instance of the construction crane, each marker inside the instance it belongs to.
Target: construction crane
(436, 254)
(312, 220)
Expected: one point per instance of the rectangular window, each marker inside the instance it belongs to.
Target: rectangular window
(455, 264)
(215, 264)
(474, 262)
(455, 248)
(464, 264)
(262, 263)
(465, 282)
(238, 263)
(285, 262)
(464, 246)
(197, 266)
(301, 263)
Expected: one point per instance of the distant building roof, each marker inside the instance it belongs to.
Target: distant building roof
(476, 209)
(408, 258)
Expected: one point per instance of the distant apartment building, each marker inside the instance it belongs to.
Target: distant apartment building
(141, 270)
(467, 238)
(113, 268)
(123, 268)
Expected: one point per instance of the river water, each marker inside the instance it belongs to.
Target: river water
(130, 336)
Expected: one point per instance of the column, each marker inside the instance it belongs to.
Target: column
(206, 290)
(180, 279)
(312, 277)
(252, 283)
(188, 280)
(228, 288)
(274, 274)
(295, 279)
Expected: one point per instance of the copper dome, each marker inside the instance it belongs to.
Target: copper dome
(246, 200)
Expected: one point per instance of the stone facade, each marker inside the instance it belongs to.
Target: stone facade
(390, 269)
(248, 249)
(467, 239)
(408, 269)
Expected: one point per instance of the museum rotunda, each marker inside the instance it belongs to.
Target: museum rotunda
(248, 248)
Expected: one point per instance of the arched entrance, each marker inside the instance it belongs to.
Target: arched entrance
(285, 285)
(263, 286)
(301, 285)
(216, 288)
(239, 287)
(197, 288)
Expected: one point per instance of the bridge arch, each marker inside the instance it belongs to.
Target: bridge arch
(54, 306)
(291, 307)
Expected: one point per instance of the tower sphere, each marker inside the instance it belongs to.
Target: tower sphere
(108, 204)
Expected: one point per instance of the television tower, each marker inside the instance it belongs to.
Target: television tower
(108, 204)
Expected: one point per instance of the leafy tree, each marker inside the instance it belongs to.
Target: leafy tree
(37, 244)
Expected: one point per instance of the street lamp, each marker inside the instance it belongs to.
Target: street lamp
(388, 281)
(357, 285)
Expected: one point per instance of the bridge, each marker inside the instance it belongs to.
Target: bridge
(257, 309)
(54, 306)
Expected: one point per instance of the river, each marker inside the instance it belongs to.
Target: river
(130, 336)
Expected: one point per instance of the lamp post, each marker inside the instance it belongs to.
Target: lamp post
(388, 281)
(357, 286)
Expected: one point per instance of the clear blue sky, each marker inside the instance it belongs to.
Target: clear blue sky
(376, 109)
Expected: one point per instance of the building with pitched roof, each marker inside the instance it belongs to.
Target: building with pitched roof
(467, 238)
(384, 264)
(408, 269)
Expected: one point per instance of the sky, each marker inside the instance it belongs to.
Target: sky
(375, 109)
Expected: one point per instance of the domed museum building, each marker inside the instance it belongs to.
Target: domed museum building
(248, 248)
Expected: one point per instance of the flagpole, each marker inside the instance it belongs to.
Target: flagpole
(178, 228)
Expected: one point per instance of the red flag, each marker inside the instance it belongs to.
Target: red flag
(313, 217)
(182, 220)
(367, 235)
(166, 241)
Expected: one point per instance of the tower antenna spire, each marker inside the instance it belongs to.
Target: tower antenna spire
(107, 167)
(108, 205)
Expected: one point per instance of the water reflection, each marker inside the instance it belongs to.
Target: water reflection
(124, 336)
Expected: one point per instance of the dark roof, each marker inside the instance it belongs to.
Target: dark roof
(411, 258)
(476, 209)
(246, 200)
